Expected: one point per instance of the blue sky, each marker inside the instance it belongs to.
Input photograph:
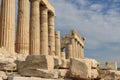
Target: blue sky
(97, 20)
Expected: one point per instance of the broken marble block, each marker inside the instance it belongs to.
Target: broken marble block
(80, 68)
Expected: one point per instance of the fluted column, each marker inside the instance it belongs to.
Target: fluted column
(22, 36)
(76, 49)
(44, 30)
(34, 27)
(51, 34)
(57, 44)
(68, 51)
(79, 51)
(73, 47)
(82, 52)
(7, 25)
(63, 55)
(0, 25)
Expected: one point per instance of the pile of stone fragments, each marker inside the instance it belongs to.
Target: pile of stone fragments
(46, 67)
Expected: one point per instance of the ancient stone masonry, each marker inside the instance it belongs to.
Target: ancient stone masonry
(22, 35)
(34, 27)
(42, 36)
(57, 44)
(74, 45)
(35, 33)
(69, 51)
(38, 52)
(44, 30)
(0, 24)
(7, 25)
(51, 34)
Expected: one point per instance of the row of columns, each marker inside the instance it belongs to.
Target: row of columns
(74, 49)
(42, 34)
(37, 38)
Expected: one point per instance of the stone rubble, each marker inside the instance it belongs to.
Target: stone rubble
(65, 64)
(32, 78)
(80, 68)
(94, 73)
(3, 75)
(43, 67)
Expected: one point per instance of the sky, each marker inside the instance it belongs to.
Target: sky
(97, 20)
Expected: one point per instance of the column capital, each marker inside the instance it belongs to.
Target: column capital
(51, 15)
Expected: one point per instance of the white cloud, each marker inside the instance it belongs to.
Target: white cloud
(96, 7)
(98, 29)
(116, 0)
(82, 2)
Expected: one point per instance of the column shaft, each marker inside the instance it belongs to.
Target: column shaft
(51, 34)
(73, 47)
(68, 51)
(22, 36)
(0, 25)
(35, 28)
(44, 31)
(79, 51)
(7, 24)
(63, 55)
(82, 52)
(57, 44)
(76, 49)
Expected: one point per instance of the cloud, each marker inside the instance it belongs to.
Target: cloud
(96, 7)
(99, 22)
(116, 0)
(82, 2)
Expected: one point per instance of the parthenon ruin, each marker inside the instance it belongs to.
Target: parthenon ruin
(31, 48)
(35, 34)
(74, 45)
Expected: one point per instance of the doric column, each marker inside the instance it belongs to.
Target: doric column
(63, 55)
(73, 47)
(0, 25)
(51, 34)
(57, 44)
(7, 25)
(34, 27)
(82, 52)
(68, 51)
(22, 36)
(76, 49)
(44, 30)
(79, 51)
